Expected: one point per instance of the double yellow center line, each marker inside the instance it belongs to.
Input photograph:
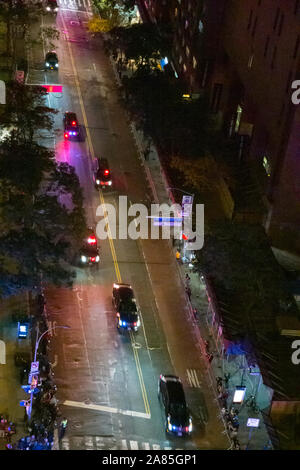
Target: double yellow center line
(112, 247)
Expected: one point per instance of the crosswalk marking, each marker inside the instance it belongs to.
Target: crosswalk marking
(134, 445)
(124, 444)
(102, 443)
(193, 378)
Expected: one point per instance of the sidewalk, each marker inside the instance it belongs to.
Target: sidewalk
(10, 385)
(231, 366)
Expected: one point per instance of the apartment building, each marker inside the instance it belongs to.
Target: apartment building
(246, 55)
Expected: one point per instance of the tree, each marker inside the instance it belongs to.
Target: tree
(17, 13)
(116, 12)
(39, 232)
(142, 42)
(26, 111)
(99, 25)
(47, 34)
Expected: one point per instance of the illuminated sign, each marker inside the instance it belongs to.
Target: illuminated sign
(53, 88)
(239, 394)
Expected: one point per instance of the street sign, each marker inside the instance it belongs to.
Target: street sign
(23, 330)
(34, 367)
(24, 403)
(253, 422)
(53, 88)
(186, 204)
(26, 388)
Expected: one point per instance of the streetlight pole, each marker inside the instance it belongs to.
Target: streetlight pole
(35, 354)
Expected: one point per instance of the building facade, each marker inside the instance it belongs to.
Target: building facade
(246, 55)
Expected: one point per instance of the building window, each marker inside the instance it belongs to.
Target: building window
(187, 51)
(186, 24)
(274, 57)
(194, 62)
(296, 47)
(250, 61)
(250, 20)
(266, 46)
(201, 26)
(216, 97)
(184, 67)
(276, 19)
(238, 118)
(266, 165)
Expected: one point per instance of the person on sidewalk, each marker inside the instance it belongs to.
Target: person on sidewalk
(188, 292)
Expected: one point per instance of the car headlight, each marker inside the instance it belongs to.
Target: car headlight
(169, 424)
(47, 64)
(97, 258)
(190, 426)
(109, 183)
(97, 181)
(138, 322)
(56, 65)
(83, 259)
(48, 8)
(56, 9)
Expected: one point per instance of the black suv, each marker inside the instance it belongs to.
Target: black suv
(51, 61)
(102, 176)
(71, 126)
(178, 419)
(51, 6)
(126, 308)
(89, 253)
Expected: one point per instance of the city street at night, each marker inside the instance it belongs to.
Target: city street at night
(149, 211)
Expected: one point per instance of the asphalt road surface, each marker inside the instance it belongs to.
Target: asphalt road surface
(107, 382)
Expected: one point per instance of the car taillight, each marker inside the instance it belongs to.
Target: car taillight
(92, 240)
(93, 260)
(186, 429)
(73, 123)
(66, 135)
(106, 172)
(134, 323)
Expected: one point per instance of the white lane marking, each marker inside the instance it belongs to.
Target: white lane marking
(193, 378)
(133, 445)
(156, 447)
(146, 445)
(107, 409)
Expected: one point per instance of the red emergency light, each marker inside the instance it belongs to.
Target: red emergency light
(53, 88)
(106, 172)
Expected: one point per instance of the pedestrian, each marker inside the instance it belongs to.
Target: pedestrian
(63, 427)
(178, 256)
(188, 292)
(187, 279)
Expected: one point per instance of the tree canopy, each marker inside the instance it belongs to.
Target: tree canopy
(42, 220)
